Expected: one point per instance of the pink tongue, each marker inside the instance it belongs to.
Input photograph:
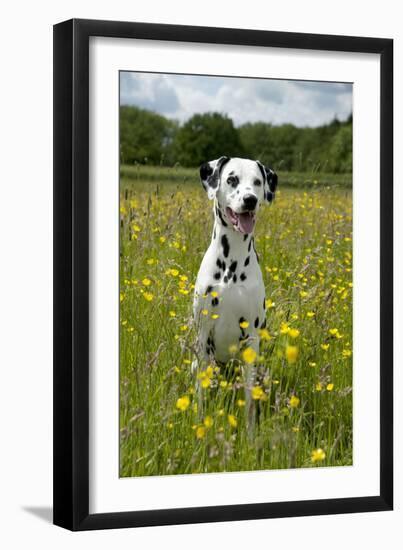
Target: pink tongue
(245, 223)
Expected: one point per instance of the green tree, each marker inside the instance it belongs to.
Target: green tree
(340, 150)
(145, 137)
(206, 137)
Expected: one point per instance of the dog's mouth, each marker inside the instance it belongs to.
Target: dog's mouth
(243, 222)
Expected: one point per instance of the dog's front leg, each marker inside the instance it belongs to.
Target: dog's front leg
(250, 380)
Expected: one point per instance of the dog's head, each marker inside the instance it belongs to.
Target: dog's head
(240, 187)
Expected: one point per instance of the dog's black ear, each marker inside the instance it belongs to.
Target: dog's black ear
(270, 181)
(210, 173)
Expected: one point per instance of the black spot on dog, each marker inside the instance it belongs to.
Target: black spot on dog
(256, 322)
(205, 170)
(263, 325)
(250, 245)
(210, 176)
(242, 320)
(264, 302)
(217, 275)
(254, 248)
(272, 180)
(246, 261)
(225, 245)
(232, 267)
(243, 277)
(225, 279)
(209, 289)
(233, 181)
(245, 236)
(219, 214)
(214, 302)
(234, 277)
(214, 234)
(219, 264)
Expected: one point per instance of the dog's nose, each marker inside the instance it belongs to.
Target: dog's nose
(249, 202)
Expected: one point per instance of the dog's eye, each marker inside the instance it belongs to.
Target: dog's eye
(258, 183)
(231, 180)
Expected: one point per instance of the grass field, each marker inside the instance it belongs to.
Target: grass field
(304, 389)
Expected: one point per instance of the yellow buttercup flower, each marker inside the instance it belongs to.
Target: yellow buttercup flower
(318, 455)
(241, 402)
(208, 422)
(214, 294)
(209, 371)
(294, 401)
(325, 347)
(148, 296)
(264, 334)
(249, 355)
(146, 282)
(232, 421)
(204, 311)
(291, 353)
(244, 324)
(200, 432)
(205, 377)
(293, 333)
(215, 316)
(172, 314)
(257, 393)
(284, 328)
(330, 387)
(183, 403)
(205, 382)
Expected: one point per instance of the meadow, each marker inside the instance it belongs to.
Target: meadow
(303, 393)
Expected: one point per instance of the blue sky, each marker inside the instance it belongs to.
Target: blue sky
(302, 103)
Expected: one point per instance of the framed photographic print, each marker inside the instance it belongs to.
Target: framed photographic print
(223, 237)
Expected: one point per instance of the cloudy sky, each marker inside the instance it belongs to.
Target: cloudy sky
(302, 103)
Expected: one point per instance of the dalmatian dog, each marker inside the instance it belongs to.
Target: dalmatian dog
(229, 300)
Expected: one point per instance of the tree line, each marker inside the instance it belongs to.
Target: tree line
(150, 138)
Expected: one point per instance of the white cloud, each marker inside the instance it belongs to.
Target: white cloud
(243, 99)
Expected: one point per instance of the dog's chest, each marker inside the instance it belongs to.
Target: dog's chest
(230, 287)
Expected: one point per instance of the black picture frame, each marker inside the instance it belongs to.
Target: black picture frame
(71, 273)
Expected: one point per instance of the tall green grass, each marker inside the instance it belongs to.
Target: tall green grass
(305, 248)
